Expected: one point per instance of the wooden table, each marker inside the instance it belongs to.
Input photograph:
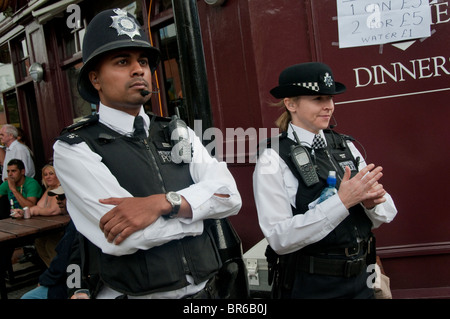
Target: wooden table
(20, 232)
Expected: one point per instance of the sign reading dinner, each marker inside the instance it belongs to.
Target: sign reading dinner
(369, 22)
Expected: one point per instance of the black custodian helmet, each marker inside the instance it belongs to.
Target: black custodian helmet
(110, 30)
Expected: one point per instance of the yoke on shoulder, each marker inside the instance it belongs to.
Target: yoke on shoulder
(161, 120)
(69, 135)
(271, 142)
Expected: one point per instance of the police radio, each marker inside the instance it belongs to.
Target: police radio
(303, 163)
(179, 137)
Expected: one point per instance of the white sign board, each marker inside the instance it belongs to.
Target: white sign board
(370, 22)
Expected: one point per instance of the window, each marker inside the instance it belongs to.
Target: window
(73, 39)
(20, 58)
(7, 81)
(6, 69)
(170, 61)
(12, 107)
(80, 106)
(165, 37)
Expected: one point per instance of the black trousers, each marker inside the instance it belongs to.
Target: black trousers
(313, 286)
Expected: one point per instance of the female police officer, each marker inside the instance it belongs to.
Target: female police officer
(322, 248)
(141, 213)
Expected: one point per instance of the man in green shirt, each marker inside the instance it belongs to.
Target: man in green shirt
(22, 190)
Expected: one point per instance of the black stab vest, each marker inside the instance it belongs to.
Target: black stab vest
(144, 167)
(335, 157)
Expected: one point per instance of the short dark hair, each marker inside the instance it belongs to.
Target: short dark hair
(15, 161)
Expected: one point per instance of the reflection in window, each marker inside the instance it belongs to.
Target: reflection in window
(81, 107)
(7, 81)
(6, 69)
(170, 60)
(73, 39)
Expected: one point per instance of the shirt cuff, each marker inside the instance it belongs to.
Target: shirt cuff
(334, 210)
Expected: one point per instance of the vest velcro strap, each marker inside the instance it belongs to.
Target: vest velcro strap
(332, 267)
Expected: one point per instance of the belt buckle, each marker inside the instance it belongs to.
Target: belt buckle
(350, 254)
(349, 251)
(353, 267)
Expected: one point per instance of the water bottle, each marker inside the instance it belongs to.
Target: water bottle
(330, 190)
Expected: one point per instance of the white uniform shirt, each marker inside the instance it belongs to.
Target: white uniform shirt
(86, 179)
(275, 189)
(22, 152)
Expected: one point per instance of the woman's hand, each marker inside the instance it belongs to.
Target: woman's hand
(363, 187)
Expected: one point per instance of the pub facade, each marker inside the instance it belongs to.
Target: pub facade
(220, 58)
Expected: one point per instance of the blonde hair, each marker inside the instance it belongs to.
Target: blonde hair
(283, 120)
(51, 168)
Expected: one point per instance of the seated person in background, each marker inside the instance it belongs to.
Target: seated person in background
(22, 191)
(47, 206)
(52, 282)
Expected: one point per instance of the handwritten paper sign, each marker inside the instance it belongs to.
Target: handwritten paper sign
(371, 22)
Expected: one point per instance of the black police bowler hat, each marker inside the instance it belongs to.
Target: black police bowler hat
(111, 30)
(311, 78)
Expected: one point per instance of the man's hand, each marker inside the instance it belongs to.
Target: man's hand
(17, 213)
(11, 184)
(363, 187)
(131, 214)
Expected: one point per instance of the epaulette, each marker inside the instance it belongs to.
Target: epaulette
(348, 137)
(85, 121)
(69, 135)
(152, 116)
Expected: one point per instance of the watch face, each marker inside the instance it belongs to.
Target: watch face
(174, 197)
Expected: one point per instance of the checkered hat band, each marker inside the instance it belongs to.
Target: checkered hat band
(309, 85)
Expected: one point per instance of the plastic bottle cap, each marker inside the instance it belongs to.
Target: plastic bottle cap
(331, 179)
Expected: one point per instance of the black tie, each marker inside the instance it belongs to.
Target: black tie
(318, 142)
(139, 130)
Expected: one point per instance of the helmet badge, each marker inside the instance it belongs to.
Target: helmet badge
(124, 24)
(328, 79)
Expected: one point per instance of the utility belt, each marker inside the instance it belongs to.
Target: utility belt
(352, 251)
(344, 262)
(210, 291)
(332, 267)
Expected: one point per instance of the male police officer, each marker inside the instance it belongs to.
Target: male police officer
(142, 214)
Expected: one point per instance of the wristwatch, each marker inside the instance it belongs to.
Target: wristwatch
(175, 200)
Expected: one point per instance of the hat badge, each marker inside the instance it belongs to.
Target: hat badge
(124, 24)
(328, 80)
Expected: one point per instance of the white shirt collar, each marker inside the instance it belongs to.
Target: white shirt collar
(120, 121)
(11, 146)
(306, 137)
